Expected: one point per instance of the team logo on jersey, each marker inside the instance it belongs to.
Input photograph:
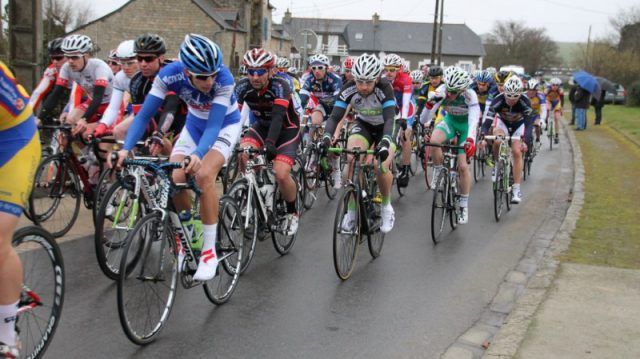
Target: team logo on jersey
(19, 104)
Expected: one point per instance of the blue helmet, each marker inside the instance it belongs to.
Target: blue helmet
(484, 76)
(200, 55)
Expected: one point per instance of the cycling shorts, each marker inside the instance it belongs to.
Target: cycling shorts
(514, 129)
(452, 127)
(286, 145)
(556, 106)
(368, 133)
(228, 136)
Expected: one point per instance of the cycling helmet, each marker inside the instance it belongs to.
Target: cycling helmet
(416, 76)
(348, 63)
(200, 55)
(283, 62)
(367, 67)
(556, 81)
(54, 47)
(513, 87)
(77, 43)
(532, 84)
(476, 73)
(392, 60)
(259, 58)
(484, 76)
(456, 79)
(113, 56)
(150, 44)
(319, 59)
(126, 50)
(292, 71)
(435, 71)
(492, 70)
(501, 77)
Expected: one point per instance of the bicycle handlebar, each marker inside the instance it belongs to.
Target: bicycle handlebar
(501, 137)
(444, 145)
(354, 151)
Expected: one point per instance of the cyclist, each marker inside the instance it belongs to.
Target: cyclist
(19, 158)
(282, 64)
(499, 78)
(277, 128)
(209, 135)
(373, 101)
(92, 75)
(403, 91)
(538, 104)
(513, 111)
(323, 86)
(48, 80)
(347, 65)
(555, 102)
(428, 90)
(463, 111)
(417, 80)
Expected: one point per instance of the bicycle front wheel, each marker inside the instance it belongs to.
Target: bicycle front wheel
(375, 237)
(498, 191)
(148, 279)
(239, 191)
(346, 238)
(439, 206)
(229, 247)
(282, 241)
(43, 289)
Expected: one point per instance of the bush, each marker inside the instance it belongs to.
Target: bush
(633, 94)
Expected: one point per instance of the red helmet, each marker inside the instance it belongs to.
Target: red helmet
(259, 58)
(348, 63)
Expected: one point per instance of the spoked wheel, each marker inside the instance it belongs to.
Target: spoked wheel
(311, 178)
(478, 164)
(43, 289)
(104, 182)
(282, 241)
(439, 207)
(231, 171)
(147, 281)
(346, 240)
(375, 237)
(415, 153)
(54, 203)
(427, 166)
(229, 248)
(329, 183)
(239, 191)
(498, 191)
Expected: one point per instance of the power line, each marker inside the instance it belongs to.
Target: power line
(571, 6)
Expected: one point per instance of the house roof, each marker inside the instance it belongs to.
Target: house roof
(394, 36)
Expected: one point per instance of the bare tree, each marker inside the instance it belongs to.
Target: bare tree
(66, 14)
(624, 17)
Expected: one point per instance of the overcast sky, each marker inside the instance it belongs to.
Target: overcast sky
(564, 20)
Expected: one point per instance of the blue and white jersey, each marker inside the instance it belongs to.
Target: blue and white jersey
(208, 112)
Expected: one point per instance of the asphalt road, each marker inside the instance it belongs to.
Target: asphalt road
(411, 302)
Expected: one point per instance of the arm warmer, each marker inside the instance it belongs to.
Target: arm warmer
(112, 111)
(140, 122)
(51, 102)
(339, 109)
(98, 93)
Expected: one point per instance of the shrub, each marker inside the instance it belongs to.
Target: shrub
(633, 94)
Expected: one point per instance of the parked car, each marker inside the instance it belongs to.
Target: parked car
(617, 98)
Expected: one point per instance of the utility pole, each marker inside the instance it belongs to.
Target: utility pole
(440, 33)
(588, 62)
(25, 40)
(434, 34)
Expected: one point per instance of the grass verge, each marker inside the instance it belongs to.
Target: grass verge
(608, 230)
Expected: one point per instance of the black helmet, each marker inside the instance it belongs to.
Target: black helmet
(501, 77)
(435, 71)
(150, 43)
(55, 46)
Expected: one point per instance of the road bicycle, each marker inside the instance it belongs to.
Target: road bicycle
(318, 172)
(43, 289)
(398, 166)
(425, 156)
(362, 200)
(504, 178)
(159, 253)
(480, 158)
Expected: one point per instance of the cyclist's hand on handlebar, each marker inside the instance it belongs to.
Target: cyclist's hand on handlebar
(270, 149)
(383, 149)
(469, 147)
(101, 130)
(156, 143)
(326, 143)
(119, 157)
(192, 164)
(81, 125)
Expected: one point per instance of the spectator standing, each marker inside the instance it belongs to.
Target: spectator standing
(597, 106)
(582, 98)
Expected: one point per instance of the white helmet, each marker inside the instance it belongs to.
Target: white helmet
(532, 84)
(513, 87)
(416, 76)
(366, 67)
(292, 70)
(319, 59)
(491, 70)
(456, 79)
(77, 43)
(392, 60)
(283, 62)
(556, 81)
(126, 50)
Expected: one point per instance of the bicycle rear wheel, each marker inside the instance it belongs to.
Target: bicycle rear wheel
(104, 182)
(498, 191)
(311, 176)
(282, 241)
(229, 249)
(54, 202)
(346, 240)
(439, 206)
(375, 237)
(147, 282)
(428, 169)
(239, 191)
(43, 289)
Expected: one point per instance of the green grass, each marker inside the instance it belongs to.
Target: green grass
(608, 230)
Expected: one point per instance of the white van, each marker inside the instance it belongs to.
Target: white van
(517, 69)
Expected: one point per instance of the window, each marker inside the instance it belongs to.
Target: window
(332, 44)
(359, 36)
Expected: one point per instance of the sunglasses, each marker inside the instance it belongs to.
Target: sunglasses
(203, 77)
(73, 57)
(364, 82)
(317, 68)
(482, 83)
(129, 62)
(56, 58)
(512, 97)
(347, 70)
(146, 59)
(256, 72)
(391, 69)
(114, 63)
(453, 92)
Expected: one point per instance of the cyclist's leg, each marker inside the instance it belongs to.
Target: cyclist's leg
(516, 150)
(286, 154)
(10, 279)
(317, 118)
(406, 143)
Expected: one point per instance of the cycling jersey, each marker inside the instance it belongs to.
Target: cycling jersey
(462, 114)
(325, 90)
(555, 98)
(483, 96)
(95, 73)
(512, 118)
(297, 103)
(45, 86)
(116, 107)
(538, 104)
(208, 113)
(402, 89)
(19, 144)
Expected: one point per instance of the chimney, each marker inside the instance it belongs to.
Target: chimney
(375, 19)
(287, 17)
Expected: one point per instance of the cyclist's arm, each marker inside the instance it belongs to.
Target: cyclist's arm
(44, 86)
(98, 92)
(543, 109)
(338, 112)
(150, 106)
(170, 107)
(474, 114)
(407, 92)
(112, 111)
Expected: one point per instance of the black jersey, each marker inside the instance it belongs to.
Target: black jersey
(511, 114)
(262, 102)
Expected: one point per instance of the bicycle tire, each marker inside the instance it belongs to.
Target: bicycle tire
(428, 172)
(239, 191)
(153, 240)
(231, 172)
(311, 176)
(281, 241)
(439, 206)
(229, 247)
(498, 191)
(62, 192)
(44, 277)
(375, 237)
(345, 244)
(99, 191)
(415, 157)
(452, 210)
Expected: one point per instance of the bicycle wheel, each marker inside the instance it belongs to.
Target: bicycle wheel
(147, 283)
(375, 237)
(229, 249)
(104, 182)
(54, 202)
(239, 191)
(231, 171)
(282, 242)
(508, 185)
(345, 242)
(43, 289)
(550, 134)
(415, 156)
(498, 191)
(428, 171)
(452, 205)
(311, 177)
(116, 216)
(439, 206)
(329, 183)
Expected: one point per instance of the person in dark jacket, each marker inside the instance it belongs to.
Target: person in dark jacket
(582, 99)
(572, 100)
(597, 106)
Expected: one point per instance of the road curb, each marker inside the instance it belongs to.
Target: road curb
(504, 324)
